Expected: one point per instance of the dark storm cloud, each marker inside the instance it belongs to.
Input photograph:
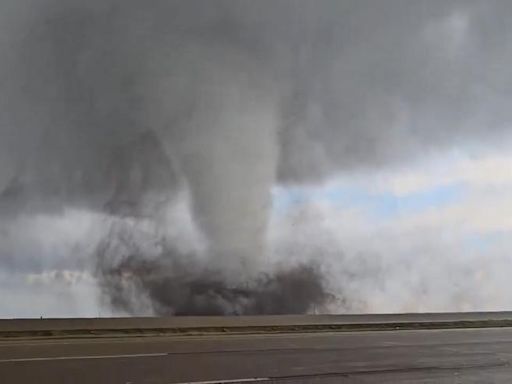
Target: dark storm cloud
(355, 83)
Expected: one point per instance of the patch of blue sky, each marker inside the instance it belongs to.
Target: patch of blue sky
(483, 242)
(387, 206)
(381, 205)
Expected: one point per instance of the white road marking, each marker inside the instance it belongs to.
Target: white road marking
(253, 380)
(83, 357)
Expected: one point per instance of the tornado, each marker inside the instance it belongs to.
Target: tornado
(227, 152)
(139, 113)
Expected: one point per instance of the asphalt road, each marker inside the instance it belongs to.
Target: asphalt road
(426, 356)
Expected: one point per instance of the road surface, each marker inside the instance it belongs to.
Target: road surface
(410, 356)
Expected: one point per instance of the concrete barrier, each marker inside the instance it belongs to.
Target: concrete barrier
(144, 326)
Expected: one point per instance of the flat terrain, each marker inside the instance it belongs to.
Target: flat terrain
(479, 355)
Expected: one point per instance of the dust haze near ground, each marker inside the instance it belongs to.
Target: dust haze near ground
(117, 107)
